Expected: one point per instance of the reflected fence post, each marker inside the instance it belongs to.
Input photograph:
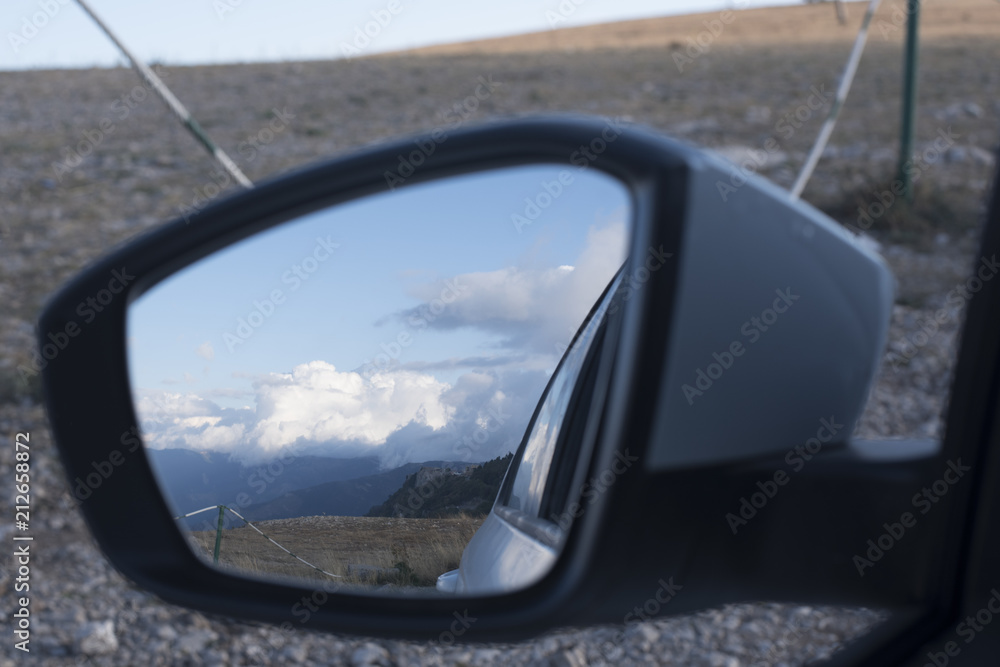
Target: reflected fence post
(218, 535)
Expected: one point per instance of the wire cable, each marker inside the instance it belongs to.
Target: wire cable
(175, 105)
(838, 102)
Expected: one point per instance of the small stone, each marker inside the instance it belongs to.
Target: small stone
(195, 641)
(574, 657)
(721, 660)
(882, 155)
(648, 632)
(757, 115)
(51, 646)
(486, 656)
(256, 655)
(956, 154)
(213, 658)
(97, 638)
(370, 655)
(854, 151)
(295, 653)
(972, 109)
(981, 156)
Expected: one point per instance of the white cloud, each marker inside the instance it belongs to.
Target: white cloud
(206, 351)
(404, 413)
(313, 406)
(186, 420)
(318, 403)
(399, 416)
(533, 309)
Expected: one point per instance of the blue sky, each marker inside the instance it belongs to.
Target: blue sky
(422, 308)
(56, 33)
(303, 379)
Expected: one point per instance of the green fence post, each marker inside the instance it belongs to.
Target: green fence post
(909, 97)
(218, 536)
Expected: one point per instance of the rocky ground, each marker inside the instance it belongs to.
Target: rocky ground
(89, 159)
(84, 613)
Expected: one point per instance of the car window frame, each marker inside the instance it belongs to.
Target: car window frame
(544, 529)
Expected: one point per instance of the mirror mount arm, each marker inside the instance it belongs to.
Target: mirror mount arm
(822, 531)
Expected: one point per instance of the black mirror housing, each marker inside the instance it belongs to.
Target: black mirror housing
(678, 461)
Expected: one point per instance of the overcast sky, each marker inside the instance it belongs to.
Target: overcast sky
(56, 33)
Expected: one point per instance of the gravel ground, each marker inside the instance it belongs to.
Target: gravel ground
(85, 613)
(72, 186)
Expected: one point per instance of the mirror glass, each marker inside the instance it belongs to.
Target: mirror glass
(339, 397)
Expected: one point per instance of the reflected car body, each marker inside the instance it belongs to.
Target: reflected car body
(521, 537)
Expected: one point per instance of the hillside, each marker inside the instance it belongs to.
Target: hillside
(345, 497)
(434, 492)
(195, 480)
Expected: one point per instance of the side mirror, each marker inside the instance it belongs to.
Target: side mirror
(737, 328)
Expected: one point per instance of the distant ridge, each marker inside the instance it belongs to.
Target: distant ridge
(793, 24)
(445, 491)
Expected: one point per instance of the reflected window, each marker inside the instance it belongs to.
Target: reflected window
(543, 434)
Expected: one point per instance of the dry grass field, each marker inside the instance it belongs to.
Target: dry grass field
(364, 551)
(807, 25)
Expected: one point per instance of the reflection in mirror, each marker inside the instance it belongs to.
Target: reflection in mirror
(339, 397)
